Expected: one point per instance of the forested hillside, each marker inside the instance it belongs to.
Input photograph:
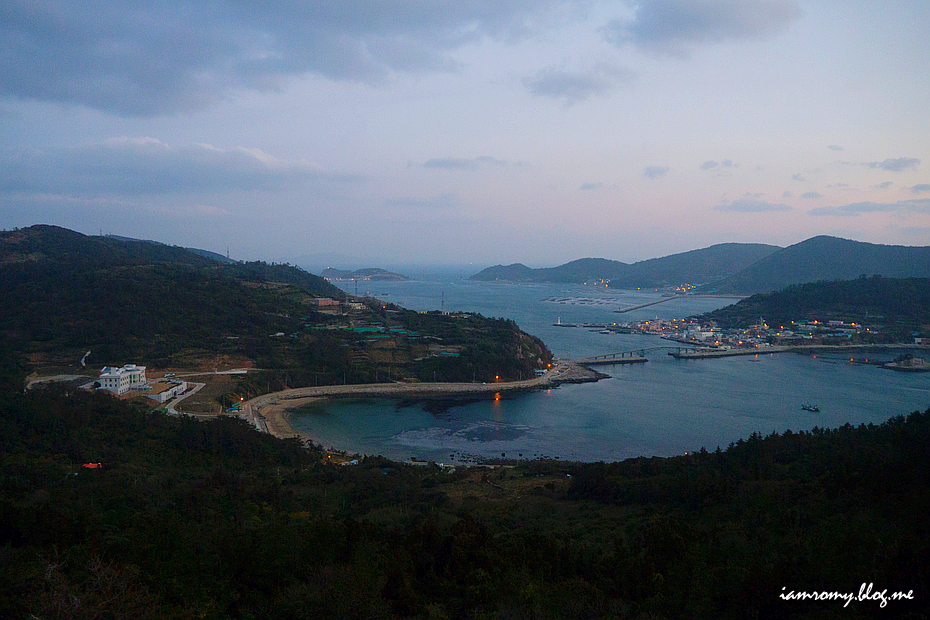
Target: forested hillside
(900, 306)
(189, 519)
(129, 299)
(166, 306)
(826, 258)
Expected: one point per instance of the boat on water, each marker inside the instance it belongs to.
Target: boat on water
(810, 407)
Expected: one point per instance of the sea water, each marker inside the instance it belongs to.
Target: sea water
(661, 408)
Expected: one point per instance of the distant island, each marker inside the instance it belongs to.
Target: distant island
(371, 274)
(734, 268)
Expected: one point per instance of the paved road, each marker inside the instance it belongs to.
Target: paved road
(56, 378)
(194, 388)
(234, 371)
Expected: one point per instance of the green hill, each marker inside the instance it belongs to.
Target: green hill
(129, 299)
(900, 305)
(45, 245)
(166, 306)
(205, 253)
(517, 272)
(577, 271)
(826, 258)
(694, 267)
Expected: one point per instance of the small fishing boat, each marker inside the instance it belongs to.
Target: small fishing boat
(810, 407)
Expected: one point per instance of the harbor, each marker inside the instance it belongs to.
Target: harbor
(662, 408)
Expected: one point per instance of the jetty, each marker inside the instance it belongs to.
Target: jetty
(646, 305)
(688, 353)
(622, 357)
(692, 353)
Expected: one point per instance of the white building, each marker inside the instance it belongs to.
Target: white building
(165, 391)
(121, 380)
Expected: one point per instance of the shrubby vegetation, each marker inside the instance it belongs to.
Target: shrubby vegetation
(214, 520)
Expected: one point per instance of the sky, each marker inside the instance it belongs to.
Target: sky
(416, 132)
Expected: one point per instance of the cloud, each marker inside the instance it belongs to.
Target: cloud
(835, 147)
(723, 163)
(918, 205)
(675, 27)
(458, 163)
(442, 201)
(751, 205)
(899, 164)
(591, 186)
(786, 195)
(921, 188)
(654, 172)
(811, 195)
(576, 86)
(884, 185)
(797, 177)
(139, 166)
(146, 57)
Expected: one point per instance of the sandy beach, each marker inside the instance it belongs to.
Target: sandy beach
(270, 412)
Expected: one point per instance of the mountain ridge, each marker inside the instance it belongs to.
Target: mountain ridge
(826, 258)
(692, 267)
(735, 268)
(205, 253)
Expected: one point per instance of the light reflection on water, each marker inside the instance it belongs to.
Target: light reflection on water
(661, 408)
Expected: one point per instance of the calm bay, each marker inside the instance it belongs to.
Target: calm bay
(662, 408)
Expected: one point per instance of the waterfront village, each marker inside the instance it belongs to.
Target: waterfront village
(759, 335)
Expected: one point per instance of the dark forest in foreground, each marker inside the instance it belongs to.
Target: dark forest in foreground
(190, 519)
